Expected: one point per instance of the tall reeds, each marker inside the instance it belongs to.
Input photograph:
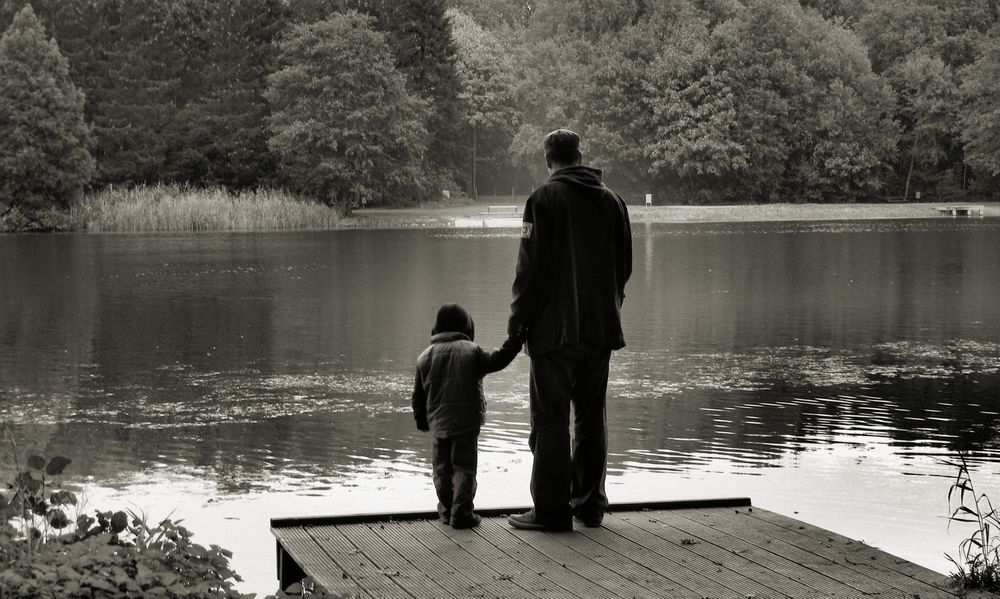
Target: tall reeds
(978, 563)
(179, 208)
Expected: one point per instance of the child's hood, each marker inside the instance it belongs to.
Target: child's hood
(452, 318)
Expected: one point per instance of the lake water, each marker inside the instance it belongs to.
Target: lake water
(822, 369)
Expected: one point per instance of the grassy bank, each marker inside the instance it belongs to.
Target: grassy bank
(429, 216)
(176, 208)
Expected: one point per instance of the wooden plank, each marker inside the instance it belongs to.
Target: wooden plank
(358, 565)
(825, 547)
(575, 583)
(481, 549)
(315, 561)
(396, 561)
(640, 564)
(673, 559)
(815, 565)
(768, 569)
(454, 574)
(859, 552)
(560, 545)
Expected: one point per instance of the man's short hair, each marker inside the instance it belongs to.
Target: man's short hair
(562, 146)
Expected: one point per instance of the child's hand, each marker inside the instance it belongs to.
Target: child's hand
(518, 332)
(513, 343)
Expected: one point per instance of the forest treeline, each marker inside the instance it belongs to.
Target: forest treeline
(388, 102)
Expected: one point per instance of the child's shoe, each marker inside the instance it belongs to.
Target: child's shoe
(471, 522)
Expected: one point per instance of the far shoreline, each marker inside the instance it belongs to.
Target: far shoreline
(178, 209)
(446, 216)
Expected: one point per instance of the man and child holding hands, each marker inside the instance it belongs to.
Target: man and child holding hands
(574, 259)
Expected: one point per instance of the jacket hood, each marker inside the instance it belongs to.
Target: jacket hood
(583, 176)
(452, 318)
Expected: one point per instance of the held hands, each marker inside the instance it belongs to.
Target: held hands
(513, 344)
(517, 332)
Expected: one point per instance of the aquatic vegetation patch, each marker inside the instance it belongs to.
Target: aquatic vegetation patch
(181, 208)
(764, 368)
(977, 565)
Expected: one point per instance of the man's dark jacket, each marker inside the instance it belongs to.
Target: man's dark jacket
(574, 259)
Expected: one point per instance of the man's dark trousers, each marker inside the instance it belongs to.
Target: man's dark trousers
(565, 483)
(454, 473)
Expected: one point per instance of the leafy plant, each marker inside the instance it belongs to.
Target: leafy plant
(978, 563)
(49, 547)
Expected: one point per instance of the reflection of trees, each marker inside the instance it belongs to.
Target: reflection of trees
(755, 429)
(49, 305)
(747, 285)
(961, 426)
(372, 296)
(305, 449)
(181, 302)
(121, 327)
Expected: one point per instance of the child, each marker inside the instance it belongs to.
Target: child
(448, 401)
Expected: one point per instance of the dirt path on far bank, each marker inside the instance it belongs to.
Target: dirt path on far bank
(470, 215)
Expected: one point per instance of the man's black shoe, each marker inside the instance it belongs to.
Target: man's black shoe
(589, 522)
(528, 521)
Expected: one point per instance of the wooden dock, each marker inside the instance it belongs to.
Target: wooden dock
(721, 548)
(961, 210)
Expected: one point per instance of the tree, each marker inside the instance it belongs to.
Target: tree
(787, 68)
(127, 58)
(948, 29)
(221, 133)
(344, 126)
(662, 116)
(495, 15)
(921, 47)
(928, 110)
(44, 160)
(847, 11)
(733, 102)
(980, 123)
(420, 37)
(551, 76)
(487, 95)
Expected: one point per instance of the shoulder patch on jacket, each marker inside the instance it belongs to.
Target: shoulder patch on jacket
(526, 230)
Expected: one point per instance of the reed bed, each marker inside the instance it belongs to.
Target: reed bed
(179, 208)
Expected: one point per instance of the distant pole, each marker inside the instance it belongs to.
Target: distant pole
(649, 199)
(474, 190)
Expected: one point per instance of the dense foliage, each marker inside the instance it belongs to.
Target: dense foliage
(44, 160)
(695, 100)
(57, 550)
(344, 127)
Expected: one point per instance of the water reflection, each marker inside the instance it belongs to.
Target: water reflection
(270, 374)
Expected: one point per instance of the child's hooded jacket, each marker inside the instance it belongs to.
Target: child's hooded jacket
(448, 392)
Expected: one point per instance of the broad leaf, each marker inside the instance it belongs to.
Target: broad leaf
(58, 519)
(56, 465)
(119, 521)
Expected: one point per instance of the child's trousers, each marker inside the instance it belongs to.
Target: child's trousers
(454, 460)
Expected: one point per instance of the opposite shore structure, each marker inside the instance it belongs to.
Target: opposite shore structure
(469, 215)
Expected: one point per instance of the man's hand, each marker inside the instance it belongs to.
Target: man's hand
(518, 332)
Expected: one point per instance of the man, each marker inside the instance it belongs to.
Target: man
(574, 259)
